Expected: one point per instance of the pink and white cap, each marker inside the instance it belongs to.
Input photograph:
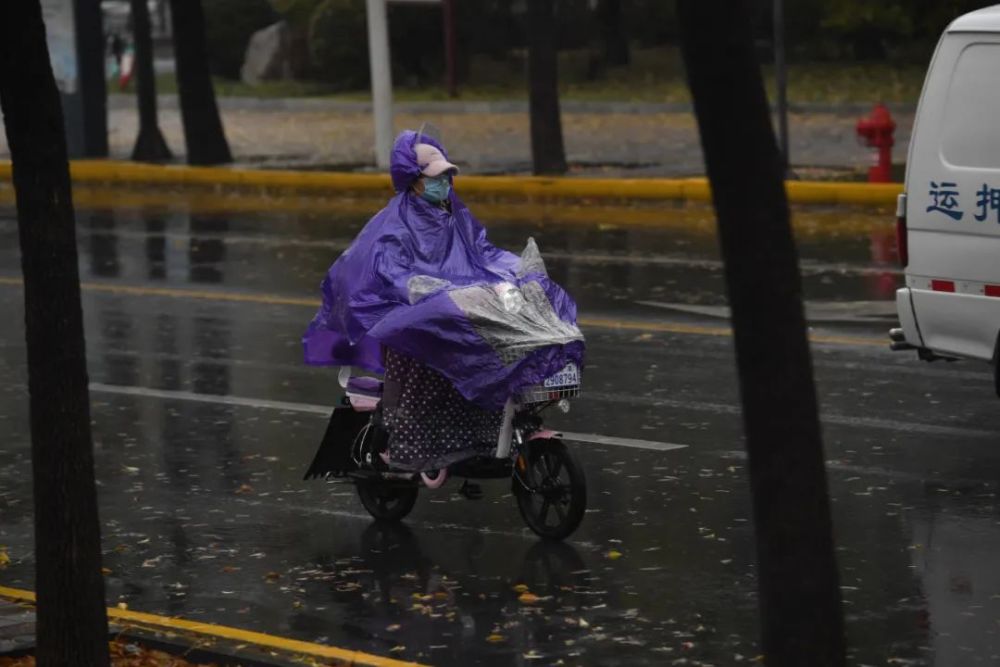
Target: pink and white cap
(431, 161)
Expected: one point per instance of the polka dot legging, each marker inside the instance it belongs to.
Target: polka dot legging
(430, 424)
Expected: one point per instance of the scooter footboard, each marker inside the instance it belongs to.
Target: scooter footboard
(333, 457)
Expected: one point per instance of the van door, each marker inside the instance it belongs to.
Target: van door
(953, 199)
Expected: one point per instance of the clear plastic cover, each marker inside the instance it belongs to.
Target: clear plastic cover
(531, 260)
(420, 287)
(514, 320)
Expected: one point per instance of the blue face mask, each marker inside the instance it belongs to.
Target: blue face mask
(436, 189)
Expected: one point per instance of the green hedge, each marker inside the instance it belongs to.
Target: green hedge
(338, 43)
(491, 33)
(229, 24)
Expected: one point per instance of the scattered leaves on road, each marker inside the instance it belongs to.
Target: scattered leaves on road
(123, 654)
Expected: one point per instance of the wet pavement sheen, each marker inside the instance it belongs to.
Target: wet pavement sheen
(206, 516)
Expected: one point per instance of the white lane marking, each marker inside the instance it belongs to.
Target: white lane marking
(882, 471)
(239, 401)
(244, 402)
(826, 418)
(621, 442)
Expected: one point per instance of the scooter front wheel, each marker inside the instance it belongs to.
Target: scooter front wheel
(550, 488)
(386, 501)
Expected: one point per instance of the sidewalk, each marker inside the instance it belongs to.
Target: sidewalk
(602, 139)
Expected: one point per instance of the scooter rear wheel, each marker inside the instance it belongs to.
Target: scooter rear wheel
(551, 490)
(386, 501)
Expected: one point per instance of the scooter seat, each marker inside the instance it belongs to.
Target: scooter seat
(365, 386)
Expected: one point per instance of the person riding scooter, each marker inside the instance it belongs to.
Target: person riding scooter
(457, 325)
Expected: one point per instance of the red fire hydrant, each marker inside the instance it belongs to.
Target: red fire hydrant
(876, 132)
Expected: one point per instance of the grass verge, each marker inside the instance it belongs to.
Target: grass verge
(655, 75)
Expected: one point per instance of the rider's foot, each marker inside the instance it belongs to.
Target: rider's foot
(471, 491)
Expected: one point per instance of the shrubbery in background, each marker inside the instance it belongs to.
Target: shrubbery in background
(229, 24)
(333, 34)
(338, 43)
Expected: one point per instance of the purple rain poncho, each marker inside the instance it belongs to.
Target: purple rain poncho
(426, 282)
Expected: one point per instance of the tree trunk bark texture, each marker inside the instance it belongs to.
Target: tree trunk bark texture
(204, 135)
(150, 145)
(93, 86)
(799, 592)
(71, 618)
(547, 152)
(611, 18)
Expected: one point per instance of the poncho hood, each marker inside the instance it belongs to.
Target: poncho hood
(403, 167)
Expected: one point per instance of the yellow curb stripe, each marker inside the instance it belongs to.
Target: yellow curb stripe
(261, 639)
(698, 219)
(669, 327)
(532, 187)
(206, 295)
(657, 327)
(272, 299)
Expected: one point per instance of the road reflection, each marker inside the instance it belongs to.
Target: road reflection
(458, 599)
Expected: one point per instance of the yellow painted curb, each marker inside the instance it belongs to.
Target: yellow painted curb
(521, 187)
(696, 219)
(260, 639)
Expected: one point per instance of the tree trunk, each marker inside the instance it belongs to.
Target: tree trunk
(203, 133)
(547, 152)
(72, 622)
(609, 14)
(93, 86)
(149, 145)
(799, 592)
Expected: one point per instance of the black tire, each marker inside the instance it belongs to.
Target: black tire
(551, 491)
(386, 501)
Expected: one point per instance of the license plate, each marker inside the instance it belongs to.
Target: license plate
(568, 376)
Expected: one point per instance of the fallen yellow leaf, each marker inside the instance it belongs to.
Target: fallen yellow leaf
(521, 588)
(495, 638)
(528, 598)
(614, 555)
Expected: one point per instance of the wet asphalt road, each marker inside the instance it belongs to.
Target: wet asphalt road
(204, 420)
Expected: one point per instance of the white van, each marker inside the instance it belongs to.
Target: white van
(949, 215)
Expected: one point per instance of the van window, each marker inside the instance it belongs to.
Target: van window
(971, 132)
